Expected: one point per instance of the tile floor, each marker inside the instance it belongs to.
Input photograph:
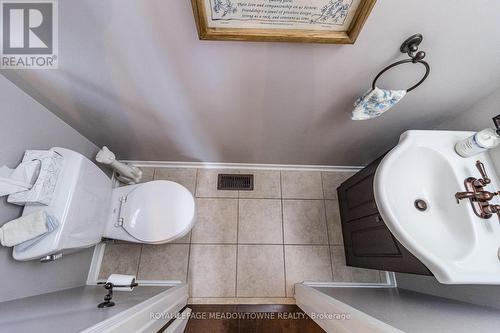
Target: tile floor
(248, 244)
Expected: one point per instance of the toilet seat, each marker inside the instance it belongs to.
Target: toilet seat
(157, 211)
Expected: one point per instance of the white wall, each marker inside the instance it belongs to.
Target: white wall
(477, 118)
(25, 124)
(133, 75)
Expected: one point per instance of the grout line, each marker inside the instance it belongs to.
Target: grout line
(196, 183)
(328, 236)
(303, 199)
(218, 198)
(259, 244)
(196, 178)
(189, 261)
(261, 198)
(331, 262)
(237, 245)
(191, 231)
(139, 262)
(283, 230)
(258, 198)
(322, 185)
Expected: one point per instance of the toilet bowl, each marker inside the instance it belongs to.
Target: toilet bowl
(155, 212)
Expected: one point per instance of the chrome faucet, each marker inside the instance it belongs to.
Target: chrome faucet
(478, 196)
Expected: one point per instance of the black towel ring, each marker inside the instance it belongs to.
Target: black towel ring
(409, 46)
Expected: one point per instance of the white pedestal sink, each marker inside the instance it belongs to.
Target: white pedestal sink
(457, 246)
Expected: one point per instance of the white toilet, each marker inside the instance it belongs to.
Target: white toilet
(89, 209)
(155, 212)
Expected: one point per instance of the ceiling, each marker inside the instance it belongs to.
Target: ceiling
(134, 76)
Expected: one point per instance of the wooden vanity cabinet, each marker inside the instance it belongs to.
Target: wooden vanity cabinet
(368, 242)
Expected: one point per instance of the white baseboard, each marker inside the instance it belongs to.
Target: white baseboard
(243, 166)
(95, 265)
(390, 283)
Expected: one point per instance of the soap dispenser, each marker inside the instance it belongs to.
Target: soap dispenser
(480, 141)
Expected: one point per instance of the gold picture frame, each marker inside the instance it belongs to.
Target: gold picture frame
(211, 29)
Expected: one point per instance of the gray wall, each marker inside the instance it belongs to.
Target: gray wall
(25, 125)
(416, 312)
(476, 118)
(70, 310)
(138, 70)
(476, 294)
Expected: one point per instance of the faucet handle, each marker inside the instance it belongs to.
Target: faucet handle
(482, 170)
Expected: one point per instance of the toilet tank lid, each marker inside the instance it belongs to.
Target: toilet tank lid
(158, 211)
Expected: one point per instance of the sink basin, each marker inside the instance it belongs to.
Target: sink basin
(455, 244)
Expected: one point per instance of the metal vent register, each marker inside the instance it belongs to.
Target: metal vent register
(235, 182)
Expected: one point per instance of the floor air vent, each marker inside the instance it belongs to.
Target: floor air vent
(235, 182)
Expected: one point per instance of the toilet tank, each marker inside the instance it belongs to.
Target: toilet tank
(81, 203)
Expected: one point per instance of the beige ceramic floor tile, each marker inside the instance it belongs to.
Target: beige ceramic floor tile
(266, 184)
(207, 184)
(212, 271)
(306, 263)
(260, 271)
(333, 222)
(343, 273)
(260, 221)
(121, 258)
(332, 180)
(164, 262)
(184, 176)
(301, 185)
(304, 222)
(184, 240)
(217, 221)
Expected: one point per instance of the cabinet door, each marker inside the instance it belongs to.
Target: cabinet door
(368, 242)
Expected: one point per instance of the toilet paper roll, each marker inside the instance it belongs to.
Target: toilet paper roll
(121, 280)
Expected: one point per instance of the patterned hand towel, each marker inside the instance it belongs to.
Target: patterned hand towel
(375, 102)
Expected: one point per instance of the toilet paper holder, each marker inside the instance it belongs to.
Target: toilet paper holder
(109, 296)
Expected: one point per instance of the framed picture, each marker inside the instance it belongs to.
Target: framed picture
(306, 21)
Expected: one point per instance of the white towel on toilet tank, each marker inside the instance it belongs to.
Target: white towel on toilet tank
(27, 230)
(19, 179)
(43, 189)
